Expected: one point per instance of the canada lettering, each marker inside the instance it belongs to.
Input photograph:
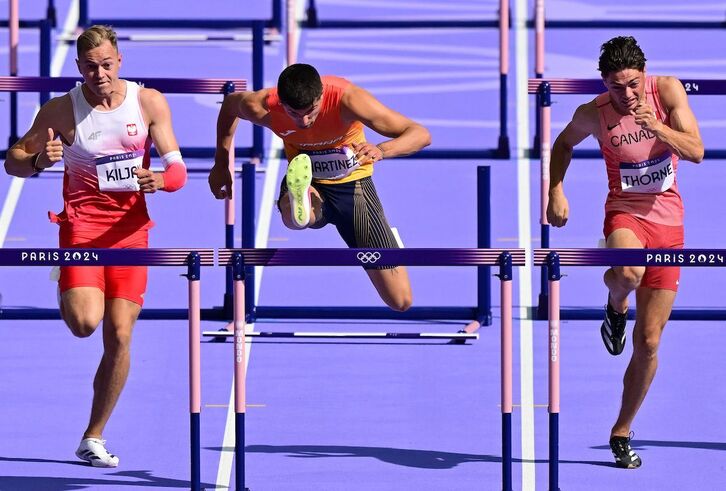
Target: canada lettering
(630, 138)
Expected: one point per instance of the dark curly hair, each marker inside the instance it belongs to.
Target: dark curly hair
(620, 53)
(299, 85)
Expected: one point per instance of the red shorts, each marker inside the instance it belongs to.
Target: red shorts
(652, 236)
(127, 282)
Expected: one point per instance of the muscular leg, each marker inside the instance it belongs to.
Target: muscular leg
(393, 286)
(653, 309)
(623, 280)
(113, 370)
(82, 309)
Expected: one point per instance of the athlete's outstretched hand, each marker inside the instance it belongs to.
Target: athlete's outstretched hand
(558, 209)
(220, 178)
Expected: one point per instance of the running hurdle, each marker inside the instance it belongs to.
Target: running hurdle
(553, 259)
(478, 315)
(14, 24)
(501, 22)
(192, 259)
(544, 88)
(168, 86)
(239, 258)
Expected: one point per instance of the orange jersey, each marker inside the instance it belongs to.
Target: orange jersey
(328, 141)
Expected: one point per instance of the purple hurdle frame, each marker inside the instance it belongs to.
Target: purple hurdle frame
(553, 259)
(192, 259)
(238, 259)
(544, 88)
(167, 85)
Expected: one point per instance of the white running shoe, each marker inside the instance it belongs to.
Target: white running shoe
(93, 450)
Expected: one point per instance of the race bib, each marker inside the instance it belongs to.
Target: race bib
(333, 164)
(649, 176)
(117, 173)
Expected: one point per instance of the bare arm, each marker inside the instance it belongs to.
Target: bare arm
(683, 135)
(39, 149)
(240, 105)
(584, 123)
(406, 136)
(156, 109)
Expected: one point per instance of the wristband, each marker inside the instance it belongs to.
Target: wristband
(175, 171)
(33, 163)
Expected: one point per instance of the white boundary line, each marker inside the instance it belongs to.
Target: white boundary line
(56, 66)
(269, 190)
(525, 238)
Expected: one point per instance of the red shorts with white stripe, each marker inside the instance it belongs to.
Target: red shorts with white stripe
(652, 236)
(127, 282)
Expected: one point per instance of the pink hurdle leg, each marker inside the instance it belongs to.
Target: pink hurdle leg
(239, 371)
(195, 385)
(553, 356)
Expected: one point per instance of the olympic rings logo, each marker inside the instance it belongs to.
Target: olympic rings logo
(368, 257)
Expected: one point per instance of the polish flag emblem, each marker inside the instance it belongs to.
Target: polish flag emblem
(131, 129)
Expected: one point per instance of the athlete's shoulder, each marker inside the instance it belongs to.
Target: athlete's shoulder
(58, 107)
(586, 117)
(670, 91)
(335, 81)
(668, 83)
(148, 96)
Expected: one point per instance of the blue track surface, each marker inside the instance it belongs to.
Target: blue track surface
(355, 415)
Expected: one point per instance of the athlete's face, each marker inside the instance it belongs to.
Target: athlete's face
(99, 67)
(304, 118)
(627, 89)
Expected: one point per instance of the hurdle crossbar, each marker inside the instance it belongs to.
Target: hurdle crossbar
(501, 22)
(191, 258)
(347, 335)
(239, 258)
(118, 257)
(480, 314)
(544, 88)
(85, 20)
(553, 259)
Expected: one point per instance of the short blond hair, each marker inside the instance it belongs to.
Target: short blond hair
(93, 37)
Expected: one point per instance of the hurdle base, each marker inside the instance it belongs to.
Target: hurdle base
(503, 151)
(25, 313)
(371, 313)
(542, 314)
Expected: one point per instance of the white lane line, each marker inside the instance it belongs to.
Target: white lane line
(525, 239)
(56, 66)
(268, 203)
(226, 457)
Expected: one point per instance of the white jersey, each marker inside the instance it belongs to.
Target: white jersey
(100, 185)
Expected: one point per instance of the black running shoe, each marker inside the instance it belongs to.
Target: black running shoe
(625, 456)
(613, 330)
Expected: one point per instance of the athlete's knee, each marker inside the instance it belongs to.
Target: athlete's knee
(400, 302)
(81, 325)
(646, 346)
(629, 277)
(116, 339)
